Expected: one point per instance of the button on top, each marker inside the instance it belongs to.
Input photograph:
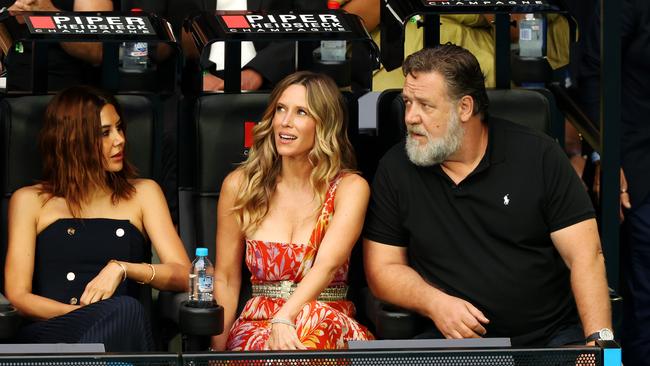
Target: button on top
(71, 231)
(119, 232)
(70, 276)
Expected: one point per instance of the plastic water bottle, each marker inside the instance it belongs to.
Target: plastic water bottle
(332, 50)
(134, 56)
(201, 276)
(530, 36)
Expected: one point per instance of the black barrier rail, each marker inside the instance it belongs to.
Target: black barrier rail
(396, 13)
(407, 357)
(233, 27)
(111, 29)
(566, 356)
(95, 359)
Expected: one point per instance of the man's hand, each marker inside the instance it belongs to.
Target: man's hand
(283, 337)
(624, 196)
(250, 80)
(457, 318)
(103, 285)
(212, 83)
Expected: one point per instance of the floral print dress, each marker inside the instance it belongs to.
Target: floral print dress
(319, 325)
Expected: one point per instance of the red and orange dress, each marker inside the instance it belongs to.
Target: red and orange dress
(276, 268)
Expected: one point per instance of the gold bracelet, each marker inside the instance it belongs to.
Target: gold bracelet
(121, 266)
(283, 321)
(153, 274)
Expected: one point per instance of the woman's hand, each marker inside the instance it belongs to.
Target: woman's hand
(104, 284)
(283, 337)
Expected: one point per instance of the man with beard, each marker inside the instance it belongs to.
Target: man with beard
(481, 224)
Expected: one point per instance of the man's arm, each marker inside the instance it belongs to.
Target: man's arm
(387, 270)
(579, 246)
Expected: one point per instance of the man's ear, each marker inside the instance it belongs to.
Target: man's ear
(465, 108)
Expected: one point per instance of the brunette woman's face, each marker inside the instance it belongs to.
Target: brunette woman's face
(293, 126)
(113, 140)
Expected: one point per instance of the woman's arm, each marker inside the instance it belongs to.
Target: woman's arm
(349, 212)
(368, 10)
(24, 207)
(229, 257)
(173, 271)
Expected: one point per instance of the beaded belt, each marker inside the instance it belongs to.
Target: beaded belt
(284, 289)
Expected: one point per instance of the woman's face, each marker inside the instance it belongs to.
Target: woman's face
(113, 140)
(294, 128)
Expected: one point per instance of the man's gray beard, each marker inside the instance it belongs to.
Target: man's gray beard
(436, 150)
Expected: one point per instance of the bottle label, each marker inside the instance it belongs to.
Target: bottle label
(525, 34)
(139, 49)
(205, 283)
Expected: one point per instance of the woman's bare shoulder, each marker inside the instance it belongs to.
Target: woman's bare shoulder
(353, 181)
(29, 200)
(233, 180)
(30, 194)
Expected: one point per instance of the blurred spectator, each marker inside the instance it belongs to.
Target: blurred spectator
(635, 164)
(263, 63)
(68, 63)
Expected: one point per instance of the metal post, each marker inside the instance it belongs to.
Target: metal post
(502, 50)
(232, 67)
(610, 120)
(431, 30)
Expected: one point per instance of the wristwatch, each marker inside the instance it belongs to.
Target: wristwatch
(604, 334)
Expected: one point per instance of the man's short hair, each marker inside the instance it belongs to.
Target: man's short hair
(458, 66)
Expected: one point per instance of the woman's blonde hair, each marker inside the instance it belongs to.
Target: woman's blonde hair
(332, 152)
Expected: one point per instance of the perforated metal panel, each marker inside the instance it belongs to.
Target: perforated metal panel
(91, 360)
(501, 357)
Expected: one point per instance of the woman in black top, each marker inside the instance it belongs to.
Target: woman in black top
(78, 240)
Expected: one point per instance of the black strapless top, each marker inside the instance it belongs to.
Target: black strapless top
(71, 252)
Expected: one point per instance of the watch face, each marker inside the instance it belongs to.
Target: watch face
(606, 334)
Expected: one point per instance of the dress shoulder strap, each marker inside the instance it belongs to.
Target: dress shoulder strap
(326, 213)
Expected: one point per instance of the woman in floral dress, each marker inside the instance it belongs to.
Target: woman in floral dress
(294, 209)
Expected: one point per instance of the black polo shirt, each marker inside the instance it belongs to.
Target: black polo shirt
(487, 240)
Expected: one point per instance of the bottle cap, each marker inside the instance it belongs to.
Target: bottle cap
(201, 252)
(333, 4)
(530, 16)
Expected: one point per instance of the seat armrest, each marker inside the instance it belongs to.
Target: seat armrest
(169, 304)
(392, 322)
(10, 319)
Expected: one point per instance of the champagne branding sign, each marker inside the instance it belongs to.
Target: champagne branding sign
(89, 24)
(482, 2)
(283, 23)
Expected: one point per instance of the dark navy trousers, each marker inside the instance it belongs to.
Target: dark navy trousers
(120, 323)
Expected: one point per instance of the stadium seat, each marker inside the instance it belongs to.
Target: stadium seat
(20, 165)
(211, 145)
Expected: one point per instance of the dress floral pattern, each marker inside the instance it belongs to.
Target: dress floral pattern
(319, 325)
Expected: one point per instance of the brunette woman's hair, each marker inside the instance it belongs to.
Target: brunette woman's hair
(71, 148)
